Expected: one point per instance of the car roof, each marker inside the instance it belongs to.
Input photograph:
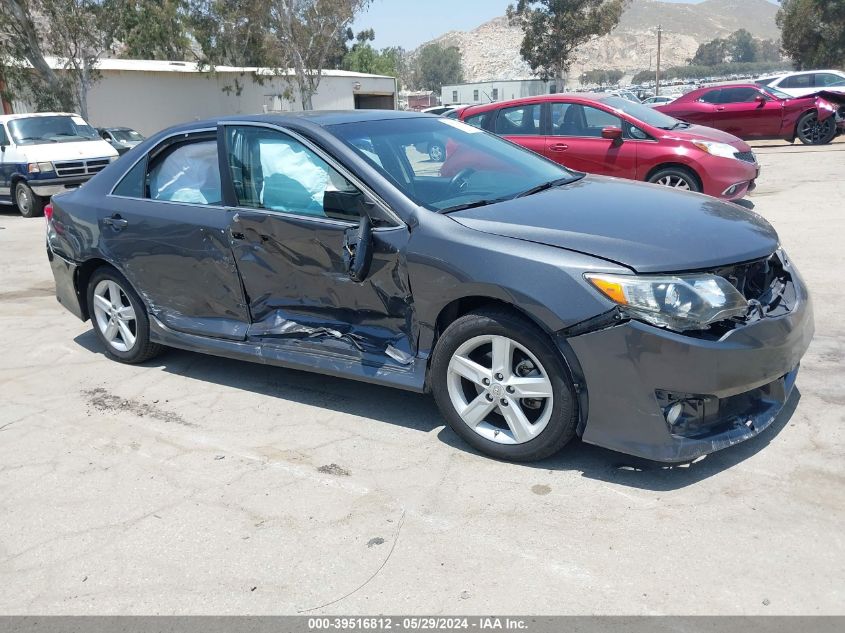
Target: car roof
(27, 115)
(585, 97)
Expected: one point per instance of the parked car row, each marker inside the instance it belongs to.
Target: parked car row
(612, 136)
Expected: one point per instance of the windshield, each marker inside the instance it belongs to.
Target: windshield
(127, 135)
(51, 129)
(643, 113)
(766, 82)
(443, 164)
(777, 94)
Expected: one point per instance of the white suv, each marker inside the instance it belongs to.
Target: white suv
(47, 153)
(807, 82)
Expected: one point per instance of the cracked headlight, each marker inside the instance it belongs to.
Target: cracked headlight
(677, 302)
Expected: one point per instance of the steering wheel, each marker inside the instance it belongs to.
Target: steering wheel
(460, 180)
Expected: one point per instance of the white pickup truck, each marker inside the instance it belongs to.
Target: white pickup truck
(44, 154)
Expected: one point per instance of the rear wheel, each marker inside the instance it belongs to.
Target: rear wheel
(29, 204)
(119, 318)
(503, 387)
(811, 131)
(675, 177)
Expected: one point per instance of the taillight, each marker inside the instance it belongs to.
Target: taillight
(48, 212)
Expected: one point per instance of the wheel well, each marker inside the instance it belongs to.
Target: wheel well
(16, 178)
(459, 307)
(680, 166)
(83, 275)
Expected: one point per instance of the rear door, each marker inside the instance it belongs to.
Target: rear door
(576, 141)
(165, 227)
(293, 205)
(522, 124)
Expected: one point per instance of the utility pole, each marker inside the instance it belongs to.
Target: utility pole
(657, 75)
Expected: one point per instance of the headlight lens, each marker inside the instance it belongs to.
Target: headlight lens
(723, 150)
(677, 302)
(37, 168)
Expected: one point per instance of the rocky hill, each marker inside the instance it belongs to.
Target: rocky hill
(491, 51)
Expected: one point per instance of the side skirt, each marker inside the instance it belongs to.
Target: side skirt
(288, 354)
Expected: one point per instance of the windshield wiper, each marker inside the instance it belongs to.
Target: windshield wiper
(469, 205)
(39, 138)
(548, 185)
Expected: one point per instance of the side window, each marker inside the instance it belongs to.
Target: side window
(826, 79)
(476, 120)
(475, 95)
(271, 170)
(738, 95)
(4, 138)
(187, 172)
(798, 81)
(566, 119)
(454, 96)
(132, 184)
(519, 121)
(597, 120)
(710, 97)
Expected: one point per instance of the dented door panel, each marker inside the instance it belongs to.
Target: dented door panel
(297, 286)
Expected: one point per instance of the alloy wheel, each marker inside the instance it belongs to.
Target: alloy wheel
(115, 315)
(500, 389)
(24, 201)
(674, 181)
(814, 131)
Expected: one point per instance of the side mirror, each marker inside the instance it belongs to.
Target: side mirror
(358, 249)
(613, 134)
(760, 99)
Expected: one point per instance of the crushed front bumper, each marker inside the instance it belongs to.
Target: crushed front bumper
(736, 384)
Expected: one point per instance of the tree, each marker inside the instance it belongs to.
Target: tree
(74, 31)
(813, 32)
(363, 58)
(553, 29)
(437, 66)
(231, 32)
(769, 51)
(644, 76)
(305, 34)
(742, 47)
(149, 29)
(711, 53)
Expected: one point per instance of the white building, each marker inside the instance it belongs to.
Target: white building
(151, 95)
(490, 91)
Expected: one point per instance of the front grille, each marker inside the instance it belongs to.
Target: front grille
(80, 167)
(748, 157)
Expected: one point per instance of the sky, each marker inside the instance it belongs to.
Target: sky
(409, 23)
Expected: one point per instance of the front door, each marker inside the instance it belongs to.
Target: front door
(576, 141)
(742, 115)
(165, 227)
(292, 212)
(8, 165)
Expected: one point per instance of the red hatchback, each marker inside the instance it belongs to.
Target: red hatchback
(611, 136)
(757, 112)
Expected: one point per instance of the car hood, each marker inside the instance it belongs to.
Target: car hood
(58, 152)
(703, 133)
(645, 227)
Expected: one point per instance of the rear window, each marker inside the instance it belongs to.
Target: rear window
(520, 121)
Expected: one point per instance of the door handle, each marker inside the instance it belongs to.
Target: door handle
(720, 109)
(558, 147)
(116, 222)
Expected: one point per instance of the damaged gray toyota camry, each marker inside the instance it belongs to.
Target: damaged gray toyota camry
(535, 303)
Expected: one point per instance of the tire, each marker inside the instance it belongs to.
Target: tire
(810, 132)
(437, 152)
(29, 204)
(129, 340)
(551, 420)
(677, 178)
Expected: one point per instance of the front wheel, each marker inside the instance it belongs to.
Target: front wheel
(811, 131)
(502, 386)
(677, 178)
(29, 204)
(119, 318)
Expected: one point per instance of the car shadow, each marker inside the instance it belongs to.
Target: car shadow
(748, 204)
(419, 412)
